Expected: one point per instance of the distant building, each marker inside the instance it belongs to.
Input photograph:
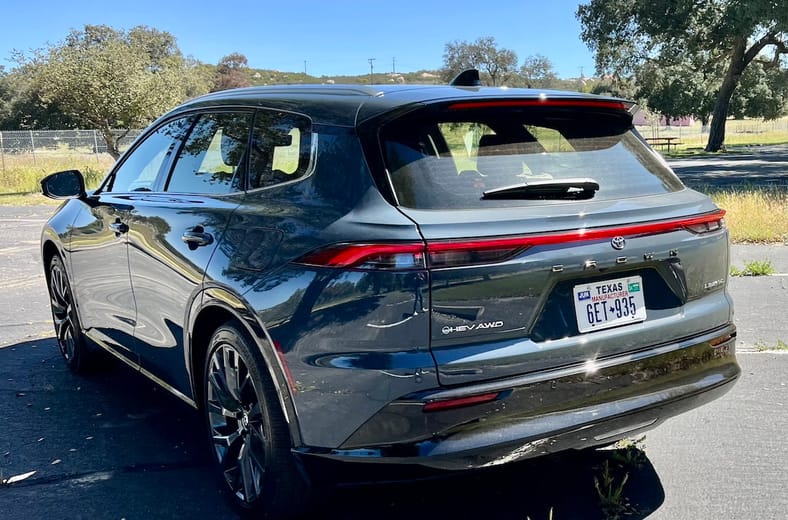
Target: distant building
(642, 118)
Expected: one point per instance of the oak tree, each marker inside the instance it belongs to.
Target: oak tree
(231, 72)
(495, 64)
(111, 79)
(626, 34)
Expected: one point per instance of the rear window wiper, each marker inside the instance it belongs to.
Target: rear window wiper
(568, 189)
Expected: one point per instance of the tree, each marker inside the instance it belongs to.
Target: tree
(21, 106)
(763, 93)
(495, 64)
(626, 34)
(231, 72)
(679, 90)
(538, 72)
(111, 79)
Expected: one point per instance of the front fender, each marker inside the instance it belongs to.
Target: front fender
(56, 236)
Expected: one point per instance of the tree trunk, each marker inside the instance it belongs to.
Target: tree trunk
(720, 115)
(112, 142)
(729, 84)
(741, 56)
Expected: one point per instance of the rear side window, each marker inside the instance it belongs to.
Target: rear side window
(281, 148)
(442, 159)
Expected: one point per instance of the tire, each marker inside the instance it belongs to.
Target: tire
(79, 357)
(249, 439)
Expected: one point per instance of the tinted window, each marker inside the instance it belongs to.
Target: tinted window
(139, 169)
(281, 148)
(447, 160)
(214, 156)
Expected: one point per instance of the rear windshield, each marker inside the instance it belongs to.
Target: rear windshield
(443, 159)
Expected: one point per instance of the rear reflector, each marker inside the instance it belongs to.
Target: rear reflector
(460, 402)
(456, 253)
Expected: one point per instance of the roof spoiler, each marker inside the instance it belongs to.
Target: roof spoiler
(467, 78)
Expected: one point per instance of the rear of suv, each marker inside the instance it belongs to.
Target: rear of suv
(575, 288)
(452, 277)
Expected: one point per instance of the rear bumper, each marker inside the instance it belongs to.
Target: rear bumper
(573, 407)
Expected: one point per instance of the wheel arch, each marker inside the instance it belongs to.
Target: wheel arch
(48, 250)
(214, 307)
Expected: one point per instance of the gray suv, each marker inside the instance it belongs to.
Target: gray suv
(443, 276)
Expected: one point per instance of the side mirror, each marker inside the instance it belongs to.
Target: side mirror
(67, 184)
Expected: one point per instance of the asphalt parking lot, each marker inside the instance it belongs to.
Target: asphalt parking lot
(112, 445)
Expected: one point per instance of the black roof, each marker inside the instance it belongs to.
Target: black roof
(349, 105)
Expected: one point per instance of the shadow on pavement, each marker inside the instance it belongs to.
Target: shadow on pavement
(757, 167)
(113, 445)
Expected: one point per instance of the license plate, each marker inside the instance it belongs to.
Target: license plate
(602, 305)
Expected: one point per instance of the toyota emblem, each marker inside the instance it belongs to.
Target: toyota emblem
(618, 243)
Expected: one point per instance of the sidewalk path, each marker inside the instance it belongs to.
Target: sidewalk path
(760, 303)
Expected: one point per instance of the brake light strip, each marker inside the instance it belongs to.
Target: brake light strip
(580, 103)
(633, 230)
(351, 255)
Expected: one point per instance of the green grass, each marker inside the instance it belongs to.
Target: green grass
(754, 268)
(612, 477)
(745, 132)
(763, 347)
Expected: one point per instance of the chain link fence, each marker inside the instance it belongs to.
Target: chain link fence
(40, 144)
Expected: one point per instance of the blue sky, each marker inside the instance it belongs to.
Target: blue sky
(335, 37)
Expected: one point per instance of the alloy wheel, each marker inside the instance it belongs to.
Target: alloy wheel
(236, 423)
(62, 311)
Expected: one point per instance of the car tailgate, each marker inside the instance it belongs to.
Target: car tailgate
(514, 310)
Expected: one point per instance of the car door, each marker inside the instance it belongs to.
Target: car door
(99, 255)
(174, 232)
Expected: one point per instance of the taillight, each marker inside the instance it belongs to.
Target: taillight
(453, 254)
(411, 256)
(706, 226)
(368, 256)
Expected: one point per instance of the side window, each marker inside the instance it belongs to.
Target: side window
(140, 168)
(213, 157)
(281, 148)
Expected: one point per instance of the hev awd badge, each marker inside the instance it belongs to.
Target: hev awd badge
(472, 327)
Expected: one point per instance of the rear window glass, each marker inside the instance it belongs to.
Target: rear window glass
(441, 159)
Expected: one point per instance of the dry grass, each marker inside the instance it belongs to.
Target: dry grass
(21, 174)
(755, 215)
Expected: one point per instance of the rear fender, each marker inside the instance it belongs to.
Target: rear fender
(219, 302)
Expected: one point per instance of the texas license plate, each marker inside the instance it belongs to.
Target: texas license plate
(602, 305)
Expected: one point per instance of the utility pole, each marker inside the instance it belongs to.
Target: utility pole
(371, 70)
(393, 65)
(304, 67)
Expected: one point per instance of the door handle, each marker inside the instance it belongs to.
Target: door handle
(119, 227)
(196, 237)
